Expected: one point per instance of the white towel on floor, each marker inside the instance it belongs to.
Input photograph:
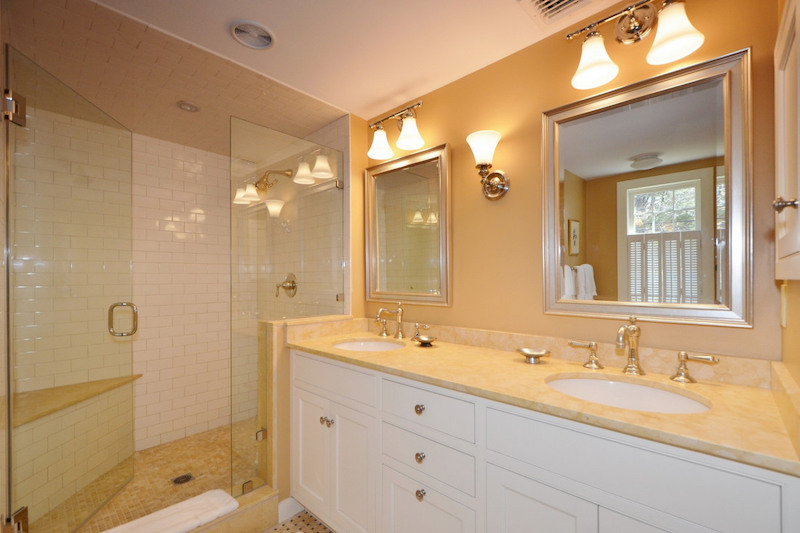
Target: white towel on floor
(568, 291)
(584, 278)
(183, 516)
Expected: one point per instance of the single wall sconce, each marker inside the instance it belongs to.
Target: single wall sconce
(274, 207)
(675, 38)
(409, 138)
(483, 143)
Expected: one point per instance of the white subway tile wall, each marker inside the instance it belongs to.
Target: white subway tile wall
(70, 250)
(181, 265)
(59, 454)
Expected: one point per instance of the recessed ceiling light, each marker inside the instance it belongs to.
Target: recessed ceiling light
(188, 106)
(252, 34)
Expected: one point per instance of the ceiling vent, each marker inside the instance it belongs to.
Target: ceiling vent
(553, 15)
(251, 34)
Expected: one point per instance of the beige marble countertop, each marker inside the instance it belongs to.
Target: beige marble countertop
(743, 423)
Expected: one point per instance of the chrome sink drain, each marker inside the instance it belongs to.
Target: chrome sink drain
(180, 480)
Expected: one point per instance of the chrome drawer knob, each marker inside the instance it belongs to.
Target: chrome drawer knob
(420, 495)
(780, 204)
(419, 457)
(419, 408)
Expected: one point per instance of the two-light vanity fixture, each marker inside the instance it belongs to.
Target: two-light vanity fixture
(305, 175)
(409, 138)
(675, 38)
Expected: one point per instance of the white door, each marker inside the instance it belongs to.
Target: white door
(311, 463)
(787, 69)
(353, 440)
(411, 507)
(517, 504)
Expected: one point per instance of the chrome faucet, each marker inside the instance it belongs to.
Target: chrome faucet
(628, 336)
(398, 313)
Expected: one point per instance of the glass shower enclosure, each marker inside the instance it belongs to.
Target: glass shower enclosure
(287, 262)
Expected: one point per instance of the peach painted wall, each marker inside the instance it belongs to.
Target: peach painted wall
(497, 246)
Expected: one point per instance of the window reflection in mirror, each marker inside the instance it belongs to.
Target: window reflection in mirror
(655, 175)
(408, 230)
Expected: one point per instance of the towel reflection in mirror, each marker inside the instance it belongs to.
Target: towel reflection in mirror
(579, 283)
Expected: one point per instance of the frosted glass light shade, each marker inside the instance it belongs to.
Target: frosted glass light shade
(483, 144)
(417, 218)
(274, 207)
(303, 175)
(410, 139)
(250, 194)
(595, 67)
(675, 35)
(322, 167)
(380, 148)
(238, 198)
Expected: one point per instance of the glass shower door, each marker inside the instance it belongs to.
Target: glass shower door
(70, 317)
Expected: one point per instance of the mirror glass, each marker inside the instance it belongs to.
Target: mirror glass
(647, 205)
(408, 244)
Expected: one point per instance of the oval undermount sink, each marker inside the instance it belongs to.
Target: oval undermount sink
(369, 345)
(608, 391)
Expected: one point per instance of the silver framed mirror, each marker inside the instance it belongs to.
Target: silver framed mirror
(408, 229)
(648, 199)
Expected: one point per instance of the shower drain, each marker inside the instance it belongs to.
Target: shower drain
(185, 478)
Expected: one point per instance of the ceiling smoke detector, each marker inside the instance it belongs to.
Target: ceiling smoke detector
(252, 34)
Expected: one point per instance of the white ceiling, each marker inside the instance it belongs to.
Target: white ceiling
(603, 144)
(364, 57)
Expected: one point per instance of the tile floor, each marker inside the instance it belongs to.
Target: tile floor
(207, 456)
(303, 522)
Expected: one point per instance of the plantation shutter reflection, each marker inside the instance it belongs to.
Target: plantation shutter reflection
(665, 267)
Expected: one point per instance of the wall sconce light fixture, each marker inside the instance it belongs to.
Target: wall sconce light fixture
(249, 193)
(675, 38)
(322, 167)
(409, 138)
(274, 207)
(483, 143)
(303, 175)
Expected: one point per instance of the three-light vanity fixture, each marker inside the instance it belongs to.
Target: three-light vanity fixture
(483, 143)
(305, 175)
(675, 38)
(409, 138)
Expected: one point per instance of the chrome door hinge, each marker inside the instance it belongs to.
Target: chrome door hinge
(14, 108)
(261, 434)
(339, 296)
(340, 184)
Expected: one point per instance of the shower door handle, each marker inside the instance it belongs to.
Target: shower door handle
(134, 326)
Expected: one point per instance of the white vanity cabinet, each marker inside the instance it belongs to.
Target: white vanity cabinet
(334, 432)
(401, 456)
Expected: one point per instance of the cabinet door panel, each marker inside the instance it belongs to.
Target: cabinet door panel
(353, 460)
(516, 504)
(612, 522)
(403, 512)
(787, 175)
(312, 464)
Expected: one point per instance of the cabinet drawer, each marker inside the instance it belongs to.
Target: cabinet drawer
(441, 462)
(411, 506)
(344, 382)
(712, 497)
(442, 413)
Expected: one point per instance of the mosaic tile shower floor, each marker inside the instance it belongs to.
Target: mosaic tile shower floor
(207, 456)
